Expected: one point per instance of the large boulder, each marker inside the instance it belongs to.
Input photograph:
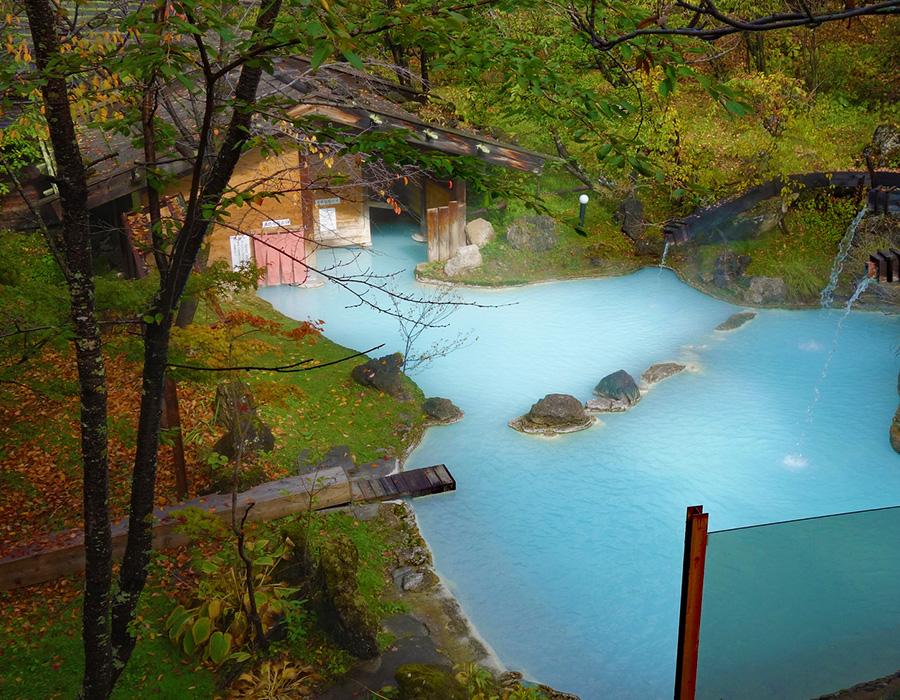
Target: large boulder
(766, 290)
(737, 320)
(428, 682)
(729, 267)
(886, 145)
(466, 258)
(441, 410)
(630, 216)
(615, 392)
(552, 415)
(662, 370)
(479, 232)
(535, 234)
(235, 410)
(342, 611)
(383, 373)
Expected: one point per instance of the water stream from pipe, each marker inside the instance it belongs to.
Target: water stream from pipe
(827, 296)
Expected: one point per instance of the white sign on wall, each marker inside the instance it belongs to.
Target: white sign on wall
(328, 202)
(276, 223)
(240, 252)
(328, 220)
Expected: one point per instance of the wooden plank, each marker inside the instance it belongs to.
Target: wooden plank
(63, 554)
(445, 476)
(695, 538)
(433, 479)
(433, 248)
(443, 233)
(457, 232)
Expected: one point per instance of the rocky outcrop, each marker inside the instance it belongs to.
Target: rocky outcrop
(662, 370)
(428, 682)
(442, 411)
(895, 426)
(886, 145)
(479, 232)
(736, 320)
(729, 268)
(384, 373)
(630, 216)
(535, 234)
(342, 612)
(615, 392)
(552, 415)
(235, 410)
(466, 258)
(766, 290)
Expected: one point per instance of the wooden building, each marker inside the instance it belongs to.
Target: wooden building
(317, 199)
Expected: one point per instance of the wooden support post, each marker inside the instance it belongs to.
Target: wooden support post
(431, 216)
(423, 208)
(695, 537)
(457, 233)
(171, 418)
(443, 233)
(307, 215)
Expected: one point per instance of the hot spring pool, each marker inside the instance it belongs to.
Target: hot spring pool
(566, 552)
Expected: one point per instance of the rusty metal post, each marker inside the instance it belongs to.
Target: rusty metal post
(695, 536)
(172, 419)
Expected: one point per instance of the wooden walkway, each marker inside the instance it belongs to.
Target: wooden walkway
(62, 553)
(418, 482)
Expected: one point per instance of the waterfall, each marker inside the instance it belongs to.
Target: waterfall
(665, 254)
(827, 296)
(797, 460)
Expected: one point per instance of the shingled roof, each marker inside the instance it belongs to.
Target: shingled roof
(337, 93)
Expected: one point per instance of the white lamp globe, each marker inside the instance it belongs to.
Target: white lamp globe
(583, 199)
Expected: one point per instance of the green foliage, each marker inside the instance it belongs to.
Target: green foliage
(218, 628)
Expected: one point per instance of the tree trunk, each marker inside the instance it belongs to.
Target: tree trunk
(74, 243)
(188, 243)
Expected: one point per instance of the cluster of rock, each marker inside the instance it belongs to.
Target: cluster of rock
(729, 274)
(535, 234)
(556, 414)
(386, 374)
(479, 232)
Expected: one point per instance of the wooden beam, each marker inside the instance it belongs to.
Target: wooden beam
(434, 252)
(695, 539)
(443, 233)
(457, 230)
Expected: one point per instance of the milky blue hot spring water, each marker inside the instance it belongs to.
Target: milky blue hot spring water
(566, 553)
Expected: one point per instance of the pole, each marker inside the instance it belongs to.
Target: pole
(695, 538)
(172, 419)
(581, 213)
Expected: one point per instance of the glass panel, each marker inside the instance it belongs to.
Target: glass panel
(801, 608)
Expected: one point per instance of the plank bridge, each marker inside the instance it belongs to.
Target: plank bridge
(62, 553)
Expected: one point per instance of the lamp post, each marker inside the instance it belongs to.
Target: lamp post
(583, 201)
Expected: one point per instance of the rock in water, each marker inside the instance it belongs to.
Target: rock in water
(895, 432)
(619, 387)
(736, 320)
(536, 234)
(384, 373)
(766, 290)
(441, 410)
(479, 232)
(466, 258)
(552, 415)
(663, 370)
